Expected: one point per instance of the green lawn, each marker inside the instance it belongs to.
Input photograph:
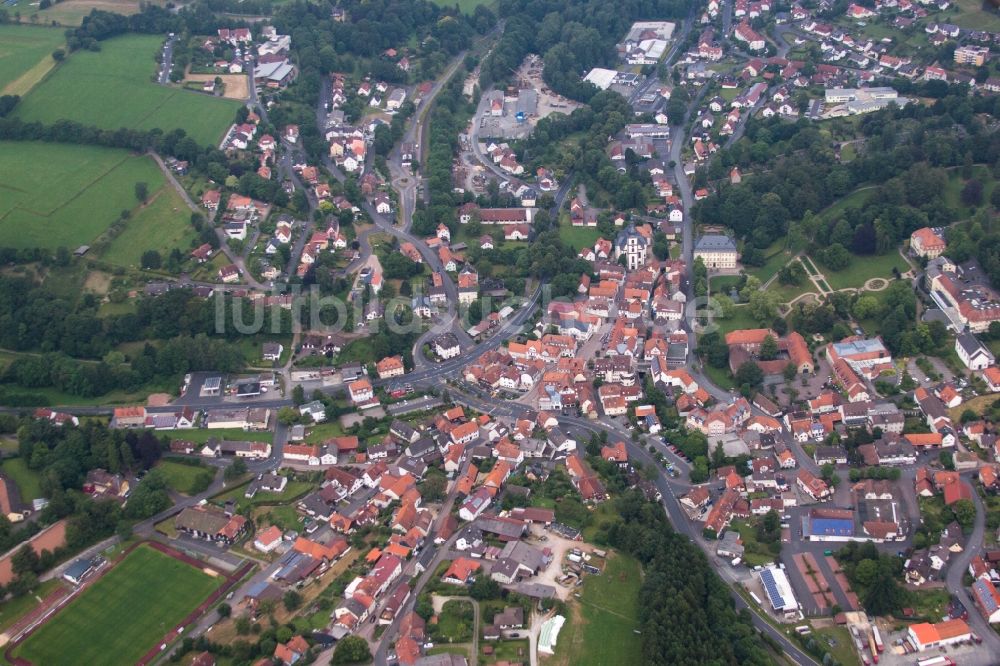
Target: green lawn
(15, 608)
(975, 16)
(318, 434)
(466, 6)
(509, 651)
(755, 553)
(293, 490)
(55, 195)
(112, 88)
(862, 269)
(23, 47)
(723, 284)
(455, 622)
(837, 641)
(855, 199)
(930, 604)
(185, 479)
(28, 481)
(284, 517)
(601, 627)
(776, 258)
(163, 224)
(719, 376)
(123, 614)
(578, 237)
(741, 319)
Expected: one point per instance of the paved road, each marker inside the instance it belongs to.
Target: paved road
(669, 489)
(234, 258)
(167, 60)
(959, 565)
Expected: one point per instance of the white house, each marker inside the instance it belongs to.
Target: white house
(972, 352)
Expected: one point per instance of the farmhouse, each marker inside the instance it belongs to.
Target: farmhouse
(210, 524)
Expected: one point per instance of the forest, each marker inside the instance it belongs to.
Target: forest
(687, 614)
(36, 320)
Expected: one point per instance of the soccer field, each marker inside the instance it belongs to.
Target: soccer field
(112, 88)
(121, 616)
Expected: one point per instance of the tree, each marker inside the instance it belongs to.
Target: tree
(58, 55)
(292, 600)
(288, 415)
(151, 259)
(298, 395)
(965, 513)
(236, 469)
(763, 306)
(768, 348)
(142, 191)
(866, 307)
(972, 193)
(884, 595)
(866, 572)
(433, 488)
(484, 588)
(835, 257)
(789, 372)
(749, 374)
(224, 610)
(947, 460)
(351, 650)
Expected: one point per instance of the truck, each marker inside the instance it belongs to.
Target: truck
(936, 661)
(872, 646)
(879, 645)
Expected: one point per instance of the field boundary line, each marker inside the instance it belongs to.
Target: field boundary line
(80, 192)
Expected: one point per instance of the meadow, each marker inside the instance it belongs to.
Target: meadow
(465, 6)
(162, 225)
(601, 627)
(113, 88)
(185, 479)
(123, 614)
(25, 49)
(71, 12)
(54, 195)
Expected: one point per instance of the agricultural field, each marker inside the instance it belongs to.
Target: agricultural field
(25, 56)
(71, 12)
(123, 614)
(601, 627)
(112, 88)
(94, 186)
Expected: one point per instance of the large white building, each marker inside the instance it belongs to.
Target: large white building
(778, 590)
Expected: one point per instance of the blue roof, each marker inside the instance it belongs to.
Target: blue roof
(832, 527)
